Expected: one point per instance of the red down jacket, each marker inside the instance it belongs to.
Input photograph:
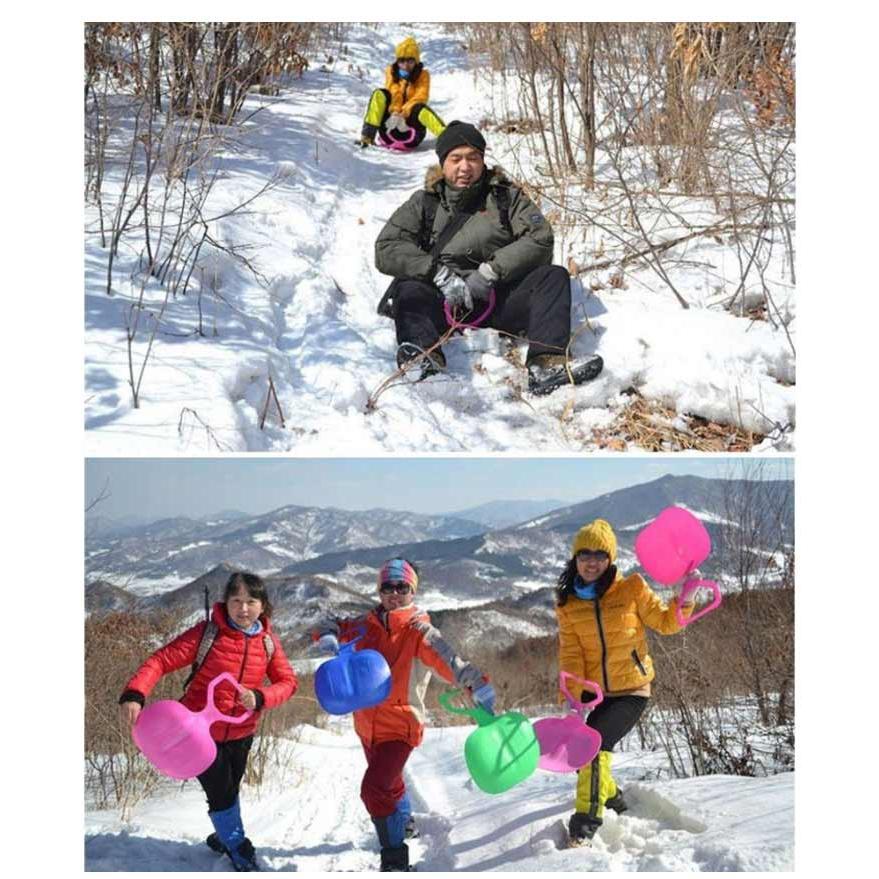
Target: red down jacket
(233, 651)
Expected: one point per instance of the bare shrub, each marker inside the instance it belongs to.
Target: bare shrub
(115, 645)
(116, 774)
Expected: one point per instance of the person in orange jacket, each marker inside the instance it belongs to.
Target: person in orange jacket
(389, 732)
(402, 104)
(238, 639)
(603, 617)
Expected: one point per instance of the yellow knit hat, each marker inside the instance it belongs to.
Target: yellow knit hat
(408, 49)
(596, 535)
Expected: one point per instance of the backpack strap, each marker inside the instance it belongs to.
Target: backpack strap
(208, 636)
(429, 205)
(269, 644)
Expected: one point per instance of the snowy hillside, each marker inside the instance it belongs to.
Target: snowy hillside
(709, 823)
(304, 314)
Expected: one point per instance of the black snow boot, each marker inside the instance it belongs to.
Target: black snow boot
(617, 803)
(395, 860)
(428, 364)
(581, 828)
(367, 135)
(246, 848)
(548, 372)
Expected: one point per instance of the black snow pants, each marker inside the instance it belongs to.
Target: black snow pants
(222, 779)
(537, 306)
(615, 717)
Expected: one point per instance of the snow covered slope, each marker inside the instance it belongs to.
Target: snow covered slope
(310, 818)
(309, 321)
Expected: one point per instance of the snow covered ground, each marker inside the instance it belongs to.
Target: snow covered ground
(310, 818)
(310, 324)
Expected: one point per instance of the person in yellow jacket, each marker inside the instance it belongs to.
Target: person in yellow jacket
(603, 617)
(402, 104)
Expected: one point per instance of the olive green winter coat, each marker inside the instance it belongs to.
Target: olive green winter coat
(483, 238)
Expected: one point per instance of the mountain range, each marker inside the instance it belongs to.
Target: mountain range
(318, 561)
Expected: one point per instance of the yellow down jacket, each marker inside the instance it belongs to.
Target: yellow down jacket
(605, 639)
(406, 93)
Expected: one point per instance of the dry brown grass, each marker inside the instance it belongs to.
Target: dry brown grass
(647, 425)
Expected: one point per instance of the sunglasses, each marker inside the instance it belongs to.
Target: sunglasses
(406, 60)
(399, 588)
(598, 554)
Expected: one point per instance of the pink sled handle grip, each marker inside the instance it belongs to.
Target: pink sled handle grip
(576, 704)
(689, 587)
(211, 712)
(461, 325)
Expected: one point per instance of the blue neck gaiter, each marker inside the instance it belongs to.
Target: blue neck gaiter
(404, 74)
(584, 590)
(255, 629)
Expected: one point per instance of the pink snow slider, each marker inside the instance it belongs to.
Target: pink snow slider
(569, 743)
(669, 548)
(399, 145)
(177, 741)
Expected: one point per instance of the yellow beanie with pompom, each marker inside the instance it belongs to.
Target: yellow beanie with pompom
(597, 535)
(408, 49)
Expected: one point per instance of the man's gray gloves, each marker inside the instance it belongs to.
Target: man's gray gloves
(480, 282)
(460, 292)
(453, 288)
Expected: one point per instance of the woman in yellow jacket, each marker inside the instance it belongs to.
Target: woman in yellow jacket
(402, 103)
(603, 617)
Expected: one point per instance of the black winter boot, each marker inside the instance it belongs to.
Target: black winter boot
(395, 860)
(581, 828)
(428, 364)
(548, 372)
(367, 135)
(617, 803)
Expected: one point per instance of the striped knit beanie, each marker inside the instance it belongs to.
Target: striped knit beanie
(398, 571)
(595, 536)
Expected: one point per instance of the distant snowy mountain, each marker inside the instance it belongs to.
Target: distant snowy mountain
(501, 514)
(511, 561)
(171, 552)
(494, 586)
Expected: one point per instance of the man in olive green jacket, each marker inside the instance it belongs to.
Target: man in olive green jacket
(469, 232)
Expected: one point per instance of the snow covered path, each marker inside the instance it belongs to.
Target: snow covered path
(309, 321)
(310, 818)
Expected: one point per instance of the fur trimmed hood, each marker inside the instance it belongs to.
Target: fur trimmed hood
(496, 174)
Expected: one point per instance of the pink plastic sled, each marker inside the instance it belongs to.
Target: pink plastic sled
(567, 743)
(461, 325)
(400, 145)
(669, 548)
(177, 741)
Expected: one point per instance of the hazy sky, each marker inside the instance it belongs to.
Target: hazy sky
(154, 488)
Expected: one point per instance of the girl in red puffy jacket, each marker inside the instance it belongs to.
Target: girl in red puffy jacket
(245, 645)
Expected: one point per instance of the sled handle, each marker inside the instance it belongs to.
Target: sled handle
(689, 588)
(348, 646)
(575, 704)
(398, 144)
(480, 715)
(212, 713)
(463, 325)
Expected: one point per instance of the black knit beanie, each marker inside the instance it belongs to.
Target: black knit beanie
(459, 134)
